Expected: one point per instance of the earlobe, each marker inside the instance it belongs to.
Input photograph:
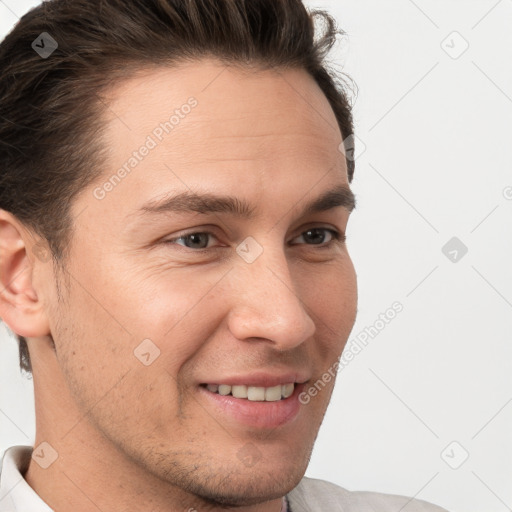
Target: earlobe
(20, 307)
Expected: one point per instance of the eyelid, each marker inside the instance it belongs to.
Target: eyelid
(211, 229)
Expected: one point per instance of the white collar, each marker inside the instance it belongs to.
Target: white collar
(15, 493)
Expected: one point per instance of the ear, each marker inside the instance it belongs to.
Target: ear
(20, 307)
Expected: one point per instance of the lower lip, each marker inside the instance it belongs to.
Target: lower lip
(256, 414)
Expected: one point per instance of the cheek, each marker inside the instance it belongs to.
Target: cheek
(93, 335)
(111, 382)
(330, 296)
(108, 315)
(91, 353)
(174, 309)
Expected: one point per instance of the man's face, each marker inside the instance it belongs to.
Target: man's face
(213, 306)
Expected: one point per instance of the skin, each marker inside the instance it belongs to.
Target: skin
(136, 437)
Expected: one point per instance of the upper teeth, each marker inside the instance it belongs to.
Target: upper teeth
(254, 393)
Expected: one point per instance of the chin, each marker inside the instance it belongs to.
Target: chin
(236, 490)
(232, 484)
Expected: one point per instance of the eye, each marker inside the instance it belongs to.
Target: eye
(317, 236)
(197, 240)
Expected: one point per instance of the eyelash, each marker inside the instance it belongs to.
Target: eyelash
(337, 237)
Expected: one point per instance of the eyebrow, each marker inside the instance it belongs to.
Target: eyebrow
(205, 203)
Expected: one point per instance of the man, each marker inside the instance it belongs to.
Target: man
(174, 210)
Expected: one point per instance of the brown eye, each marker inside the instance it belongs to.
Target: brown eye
(318, 236)
(315, 236)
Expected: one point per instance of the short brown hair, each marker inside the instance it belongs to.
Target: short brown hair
(50, 108)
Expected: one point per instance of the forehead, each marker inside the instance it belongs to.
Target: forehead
(217, 126)
(231, 102)
(223, 89)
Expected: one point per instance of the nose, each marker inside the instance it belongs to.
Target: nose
(266, 304)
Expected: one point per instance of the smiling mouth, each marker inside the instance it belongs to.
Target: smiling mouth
(253, 393)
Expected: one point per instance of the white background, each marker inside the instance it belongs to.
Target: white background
(434, 161)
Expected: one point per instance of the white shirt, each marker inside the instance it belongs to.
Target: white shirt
(309, 496)
(15, 493)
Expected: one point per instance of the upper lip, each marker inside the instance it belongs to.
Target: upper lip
(261, 379)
